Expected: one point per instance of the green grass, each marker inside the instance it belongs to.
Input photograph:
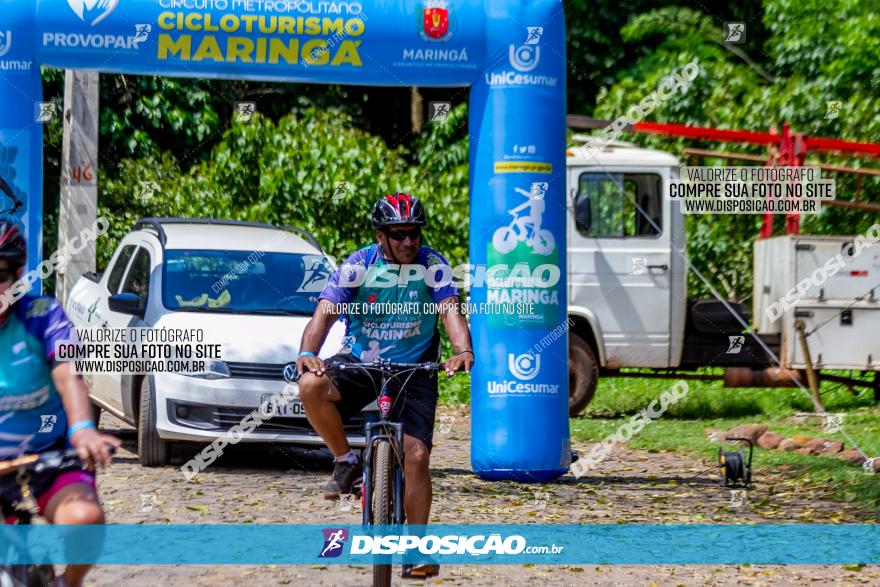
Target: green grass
(456, 390)
(709, 399)
(710, 406)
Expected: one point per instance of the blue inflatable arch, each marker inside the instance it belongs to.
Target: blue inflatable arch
(512, 55)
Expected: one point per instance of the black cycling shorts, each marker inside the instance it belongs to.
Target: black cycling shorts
(416, 409)
(45, 484)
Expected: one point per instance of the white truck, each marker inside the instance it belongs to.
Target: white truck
(627, 280)
(251, 288)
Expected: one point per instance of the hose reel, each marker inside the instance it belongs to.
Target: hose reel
(736, 467)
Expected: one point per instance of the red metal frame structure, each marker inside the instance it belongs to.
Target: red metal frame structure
(786, 148)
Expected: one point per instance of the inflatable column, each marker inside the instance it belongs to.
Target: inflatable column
(519, 388)
(22, 116)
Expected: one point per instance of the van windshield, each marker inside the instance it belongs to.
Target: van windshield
(243, 282)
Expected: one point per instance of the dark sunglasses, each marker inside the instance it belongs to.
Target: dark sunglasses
(7, 275)
(399, 235)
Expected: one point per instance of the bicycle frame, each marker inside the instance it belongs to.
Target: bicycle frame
(383, 429)
(17, 547)
(376, 431)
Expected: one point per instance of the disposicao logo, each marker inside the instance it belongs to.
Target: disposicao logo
(334, 542)
(86, 9)
(450, 544)
(480, 545)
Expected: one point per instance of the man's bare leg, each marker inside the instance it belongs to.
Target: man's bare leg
(419, 492)
(419, 495)
(317, 395)
(75, 504)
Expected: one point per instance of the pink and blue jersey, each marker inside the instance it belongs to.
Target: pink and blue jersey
(370, 284)
(32, 416)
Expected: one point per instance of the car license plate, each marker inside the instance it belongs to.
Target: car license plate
(275, 408)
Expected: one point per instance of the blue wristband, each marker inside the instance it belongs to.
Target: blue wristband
(305, 354)
(79, 426)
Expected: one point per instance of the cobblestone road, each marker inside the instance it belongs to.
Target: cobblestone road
(276, 485)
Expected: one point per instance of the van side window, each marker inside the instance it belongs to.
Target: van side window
(138, 279)
(605, 205)
(118, 269)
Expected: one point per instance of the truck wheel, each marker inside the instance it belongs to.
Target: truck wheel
(583, 374)
(152, 450)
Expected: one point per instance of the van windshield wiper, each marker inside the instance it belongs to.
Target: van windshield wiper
(278, 312)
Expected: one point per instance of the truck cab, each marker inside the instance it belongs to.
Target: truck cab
(628, 270)
(624, 280)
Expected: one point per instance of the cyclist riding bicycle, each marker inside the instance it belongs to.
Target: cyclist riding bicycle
(44, 406)
(371, 333)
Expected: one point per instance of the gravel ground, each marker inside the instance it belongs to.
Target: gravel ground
(279, 485)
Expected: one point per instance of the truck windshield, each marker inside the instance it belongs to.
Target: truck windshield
(243, 282)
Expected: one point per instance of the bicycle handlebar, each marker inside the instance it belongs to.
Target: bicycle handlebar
(49, 458)
(389, 366)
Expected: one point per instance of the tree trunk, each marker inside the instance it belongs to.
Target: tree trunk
(416, 111)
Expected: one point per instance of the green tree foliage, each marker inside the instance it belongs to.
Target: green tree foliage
(287, 165)
(315, 170)
(442, 179)
(815, 51)
(597, 53)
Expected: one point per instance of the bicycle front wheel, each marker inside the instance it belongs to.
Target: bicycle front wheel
(28, 575)
(383, 501)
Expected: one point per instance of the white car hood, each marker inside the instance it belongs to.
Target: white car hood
(253, 339)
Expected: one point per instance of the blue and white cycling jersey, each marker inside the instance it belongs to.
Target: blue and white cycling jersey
(400, 337)
(32, 416)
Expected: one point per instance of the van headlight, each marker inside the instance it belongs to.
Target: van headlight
(214, 369)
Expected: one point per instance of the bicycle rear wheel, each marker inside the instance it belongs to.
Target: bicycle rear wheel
(383, 501)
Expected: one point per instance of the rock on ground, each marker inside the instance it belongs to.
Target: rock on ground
(770, 440)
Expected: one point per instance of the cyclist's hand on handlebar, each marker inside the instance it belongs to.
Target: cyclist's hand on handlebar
(460, 362)
(311, 365)
(94, 448)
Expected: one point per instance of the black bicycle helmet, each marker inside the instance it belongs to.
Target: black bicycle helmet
(398, 209)
(12, 244)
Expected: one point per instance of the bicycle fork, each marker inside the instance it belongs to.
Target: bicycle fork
(375, 433)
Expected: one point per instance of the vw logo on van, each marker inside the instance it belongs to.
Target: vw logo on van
(291, 373)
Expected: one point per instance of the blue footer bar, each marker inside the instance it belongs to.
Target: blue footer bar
(253, 544)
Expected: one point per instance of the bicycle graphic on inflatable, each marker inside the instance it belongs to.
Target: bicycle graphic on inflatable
(526, 225)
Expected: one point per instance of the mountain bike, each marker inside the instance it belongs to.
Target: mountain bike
(23, 513)
(383, 460)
